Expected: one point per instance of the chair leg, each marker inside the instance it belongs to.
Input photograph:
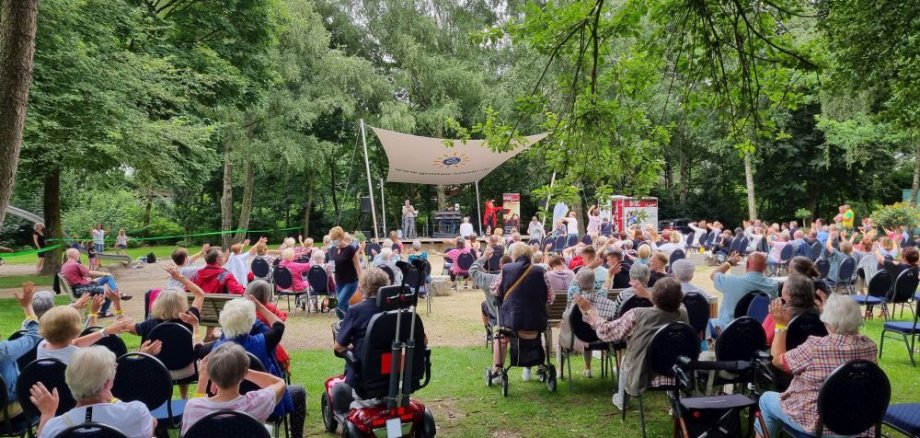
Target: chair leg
(625, 406)
(881, 344)
(641, 415)
(910, 351)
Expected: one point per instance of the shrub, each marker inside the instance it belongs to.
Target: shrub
(897, 214)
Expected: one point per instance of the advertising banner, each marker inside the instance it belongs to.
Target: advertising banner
(511, 205)
(629, 211)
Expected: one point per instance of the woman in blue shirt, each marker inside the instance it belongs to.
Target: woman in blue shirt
(10, 351)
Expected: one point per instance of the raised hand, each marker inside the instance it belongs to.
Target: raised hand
(778, 311)
(189, 318)
(152, 348)
(173, 271)
(46, 401)
(98, 300)
(81, 302)
(28, 291)
(583, 304)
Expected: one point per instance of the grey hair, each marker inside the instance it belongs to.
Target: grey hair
(584, 279)
(89, 371)
(640, 271)
(72, 253)
(41, 302)
(237, 317)
(841, 314)
(520, 249)
(683, 270)
(417, 245)
(261, 290)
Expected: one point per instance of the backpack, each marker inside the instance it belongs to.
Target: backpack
(151, 258)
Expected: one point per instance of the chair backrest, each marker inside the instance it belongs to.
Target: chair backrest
(410, 275)
(905, 286)
(690, 237)
(27, 358)
(227, 423)
(177, 352)
(802, 326)
(373, 379)
(836, 409)
(670, 342)
(465, 260)
(697, 310)
(389, 272)
(759, 307)
(741, 308)
(283, 278)
(113, 343)
(678, 254)
(740, 340)
(318, 280)
(142, 377)
(580, 329)
(847, 269)
(559, 244)
(51, 373)
(571, 241)
(703, 238)
(803, 250)
(260, 268)
(424, 269)
(879, 284)
(372, 249)
(91, 430)
(785, 254)
(548, 240)
(633, 302)
(396, 297)
(555, 310)
(823, 266)
(815, 251)
(586, 239)
(211, 307)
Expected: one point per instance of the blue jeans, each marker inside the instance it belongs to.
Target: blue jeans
(99, 247)
(773, 416)
(110, 282)
(343, 293)
(408, 227)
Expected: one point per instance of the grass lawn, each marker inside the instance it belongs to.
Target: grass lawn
(464, 407)
(15, 281)
(162, 252)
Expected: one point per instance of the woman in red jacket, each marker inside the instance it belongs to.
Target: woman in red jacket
(490, 217)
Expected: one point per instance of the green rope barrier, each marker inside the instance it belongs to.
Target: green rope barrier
(31, 251)
(183, 236)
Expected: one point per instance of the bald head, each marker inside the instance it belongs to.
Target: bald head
(799, 234)
(757, 262)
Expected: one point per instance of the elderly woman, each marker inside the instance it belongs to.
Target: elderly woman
(811, 363)
(683, 271)
(453, 256)
(61, 326)
(347, 268)
(262, 292)
(354, 325)
(11, 351)
(638, 276)
(388, 258)
(296, 269)
(674, 243)
(522, 293)
(585, 281)
(637, 326)
(797, 297)
(90, 377)
(226, 367)
(416, 251)
(237, 322)
(535, 230)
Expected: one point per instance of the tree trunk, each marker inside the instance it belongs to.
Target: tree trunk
(246, 208)
(17, 47)
(915, 186)
(148, 207)
(749, 182)
(442, 198)
(51, 205)
(226, 199)
(309, 205)
(330, 163)
(684, 179)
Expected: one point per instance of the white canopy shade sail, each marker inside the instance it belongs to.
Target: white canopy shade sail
(425, 160)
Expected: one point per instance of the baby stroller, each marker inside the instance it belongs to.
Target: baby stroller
(383, 382)
(717, 416)
(525, 353)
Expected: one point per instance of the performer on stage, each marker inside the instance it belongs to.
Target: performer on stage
(408, 215)
(490, 217)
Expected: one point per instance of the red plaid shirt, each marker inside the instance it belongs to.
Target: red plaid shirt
(810, 364)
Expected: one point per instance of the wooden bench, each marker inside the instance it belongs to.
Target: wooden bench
(213, 305)
(125, 260)
(65, 287)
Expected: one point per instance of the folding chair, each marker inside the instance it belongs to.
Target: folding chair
(113, 343)
(49, 372)
(755, 304)
(227, 424)
(906, 330)
(91, 429)
(284, 282)
(877, 294)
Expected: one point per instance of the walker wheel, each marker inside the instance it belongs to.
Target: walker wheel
(551, 378)
(488, 374)
(504, 384)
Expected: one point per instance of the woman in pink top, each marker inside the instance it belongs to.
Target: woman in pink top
(454, 256)
(297, 270)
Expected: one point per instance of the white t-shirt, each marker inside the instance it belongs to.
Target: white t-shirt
(466, 229)
(131, 418)
(62, 354)
(238, 265)
(187, 272)
(99, 237)
(572, 223)
(260, 404)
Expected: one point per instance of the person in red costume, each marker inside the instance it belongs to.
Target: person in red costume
(490, 217)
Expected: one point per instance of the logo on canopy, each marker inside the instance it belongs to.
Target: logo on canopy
(450, 161)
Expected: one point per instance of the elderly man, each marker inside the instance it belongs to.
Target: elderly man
(82, 280)
(733, 287)
(683, 271)
(638, 276)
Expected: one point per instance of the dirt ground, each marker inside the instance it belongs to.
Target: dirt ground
(454, 320)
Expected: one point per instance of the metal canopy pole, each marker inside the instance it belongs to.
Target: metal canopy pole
(383, 208)
(551, 182)
(478, 208)
(370, 186)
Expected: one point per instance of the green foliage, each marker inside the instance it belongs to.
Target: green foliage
(803, 213)
(897, 214)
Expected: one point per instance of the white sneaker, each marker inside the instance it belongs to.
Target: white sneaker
(617, 400)
(525, 374)
(497, 379)
(587, 373)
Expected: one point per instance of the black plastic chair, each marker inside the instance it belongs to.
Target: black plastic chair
(904, 418)
(49, 372)
(559, 244)
(177, 352)
(678, 254)
(669, 342)
(91, 430)
(740, 340)
(906, 330)
(584, 333)
(260, 268)
(877, 293)
(372, 249)
(495, 262)
(802, 326)
(18, 425)
(465, 261)
(782, 266)
(424, 271)
(142, 377)
(702, 239)
(697, 311)
(824, 267)
(905, 286)
(755, 304)
(838, 414)
(284, 283)
(586, 239)
(845, 275)
(113, 343)
(389, 272)
(227, 424)
(815, 252)
(27, 358)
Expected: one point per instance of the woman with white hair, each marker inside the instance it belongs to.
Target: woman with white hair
(297, 270)
(639, 275)
(90, 377)
(237, 322)
(416, 251)
(811, 363)
(683, 271)
(388, 258)
(585, 280)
